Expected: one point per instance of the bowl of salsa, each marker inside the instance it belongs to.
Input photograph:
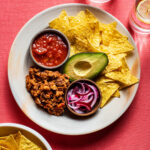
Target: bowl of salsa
(50, 49)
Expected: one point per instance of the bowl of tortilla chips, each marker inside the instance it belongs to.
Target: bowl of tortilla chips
(19, 137)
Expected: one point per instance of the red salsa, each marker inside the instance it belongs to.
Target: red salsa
(49, 49)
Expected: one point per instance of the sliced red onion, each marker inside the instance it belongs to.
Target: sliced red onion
(89, 100)
(75, 90)
(79, 111)
(69, 93)
(86, 92)
(82, 97)
(82, 87)
(74, 107)
(88, 107)
(95, 95)
(73, 97)
(74, 101)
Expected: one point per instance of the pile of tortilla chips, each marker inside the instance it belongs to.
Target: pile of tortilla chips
(87, 34)
(17, 142)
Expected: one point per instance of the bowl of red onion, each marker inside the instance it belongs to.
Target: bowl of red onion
(83, 97)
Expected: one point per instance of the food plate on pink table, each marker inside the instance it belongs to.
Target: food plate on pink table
(20, 61)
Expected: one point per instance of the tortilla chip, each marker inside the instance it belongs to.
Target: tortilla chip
(104, 49)
(114, 62)
(102, 79)
(91, 47)
(120, 45)
(103, 26)
(61, 23)
(94, 38)
(107, 90)
(3, 148)
(17, 142)
(26, 144)
(17, 137)
(3, 138)
(72, 50)
(133, 80)
(73, 21)
(81, 46)
(80, 18)
(83, 17)
(9, 143)
(108, 32)
(89, 16)
(123, 75)
(116, 94)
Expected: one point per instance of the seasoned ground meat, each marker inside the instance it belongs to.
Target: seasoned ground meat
(47, 89)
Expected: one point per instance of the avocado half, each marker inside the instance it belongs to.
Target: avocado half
(85, 65)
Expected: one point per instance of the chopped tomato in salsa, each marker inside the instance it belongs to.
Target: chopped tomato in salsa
(49, 49)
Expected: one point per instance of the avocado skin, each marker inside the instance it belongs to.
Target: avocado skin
(79, 57)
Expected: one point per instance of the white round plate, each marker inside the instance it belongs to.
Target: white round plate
(12, 128)
(20, 61)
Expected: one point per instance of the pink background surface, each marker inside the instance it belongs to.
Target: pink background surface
(130, 132)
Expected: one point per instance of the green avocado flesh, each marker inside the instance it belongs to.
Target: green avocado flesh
(85, 65)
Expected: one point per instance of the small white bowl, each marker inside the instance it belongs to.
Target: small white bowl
(10, 128)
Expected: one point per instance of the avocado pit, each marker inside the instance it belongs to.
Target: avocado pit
(82, 68)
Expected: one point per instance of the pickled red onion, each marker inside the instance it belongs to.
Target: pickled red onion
(82, 97)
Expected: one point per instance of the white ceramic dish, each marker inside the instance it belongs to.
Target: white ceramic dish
(11, 128)
(20, 61)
